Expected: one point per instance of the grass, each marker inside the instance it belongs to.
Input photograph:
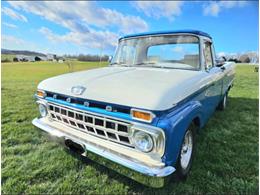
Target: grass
(226, 158)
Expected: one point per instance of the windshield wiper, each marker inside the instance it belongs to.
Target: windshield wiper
(148, 64)
(143, 63)
(119, 64)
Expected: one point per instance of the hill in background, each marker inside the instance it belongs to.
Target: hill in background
(21, 52)
(24, 55)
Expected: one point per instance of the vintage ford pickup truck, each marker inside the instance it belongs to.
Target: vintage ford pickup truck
(144, 110)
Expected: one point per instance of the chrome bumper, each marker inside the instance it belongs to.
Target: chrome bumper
(155, 176)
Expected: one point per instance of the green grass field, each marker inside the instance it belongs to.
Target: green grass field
(226, 158)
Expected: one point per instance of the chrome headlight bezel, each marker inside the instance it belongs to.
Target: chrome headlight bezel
(43, 110)
(157, 135)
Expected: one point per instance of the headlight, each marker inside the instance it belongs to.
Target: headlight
(143, 141)
(42, 110)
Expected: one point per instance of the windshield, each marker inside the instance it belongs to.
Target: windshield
(164, 51)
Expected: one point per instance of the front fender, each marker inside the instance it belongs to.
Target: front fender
(175, 124)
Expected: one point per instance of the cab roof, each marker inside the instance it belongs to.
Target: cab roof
(195, 32)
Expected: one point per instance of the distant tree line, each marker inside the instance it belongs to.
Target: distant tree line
(6, 60)
(248, 57)
(88, 57)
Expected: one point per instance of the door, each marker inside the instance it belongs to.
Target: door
(215, 78)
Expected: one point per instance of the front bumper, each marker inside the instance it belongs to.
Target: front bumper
(148, 175)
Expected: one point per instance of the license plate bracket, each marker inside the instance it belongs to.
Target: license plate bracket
(75, 146)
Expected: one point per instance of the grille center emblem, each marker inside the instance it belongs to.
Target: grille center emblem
(78, 90)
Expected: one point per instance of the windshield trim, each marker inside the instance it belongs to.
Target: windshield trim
(175, 34)
(187, 31)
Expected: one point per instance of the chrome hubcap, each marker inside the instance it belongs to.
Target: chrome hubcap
(186, 150)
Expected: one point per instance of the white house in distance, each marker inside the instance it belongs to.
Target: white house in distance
(51, 57)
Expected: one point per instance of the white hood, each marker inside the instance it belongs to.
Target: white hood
(147, 88)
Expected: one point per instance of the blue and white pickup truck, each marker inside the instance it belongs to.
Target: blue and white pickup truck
(143, 110)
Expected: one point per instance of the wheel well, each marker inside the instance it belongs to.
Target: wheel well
(196, 122)
(229, 87)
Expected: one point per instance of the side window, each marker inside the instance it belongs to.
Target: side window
(208, 55)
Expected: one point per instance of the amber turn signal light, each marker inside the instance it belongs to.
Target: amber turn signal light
(142, 115)
(41, 93)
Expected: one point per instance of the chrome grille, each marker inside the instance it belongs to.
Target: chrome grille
(103, 127)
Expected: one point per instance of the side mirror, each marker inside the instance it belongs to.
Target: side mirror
(220, 61)
(110, 59)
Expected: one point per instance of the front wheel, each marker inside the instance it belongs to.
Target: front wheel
(186, 153)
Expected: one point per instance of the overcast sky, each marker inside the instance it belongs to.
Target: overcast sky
(72, 27)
